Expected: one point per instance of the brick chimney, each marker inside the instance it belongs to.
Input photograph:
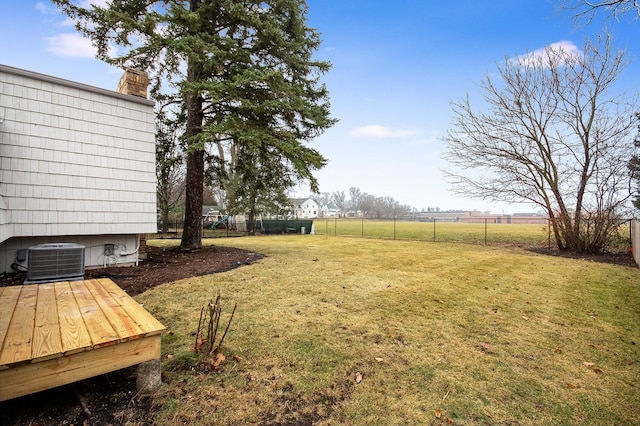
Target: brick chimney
(134, 82)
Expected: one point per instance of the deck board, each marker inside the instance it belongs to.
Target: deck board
(9, 297)
(46, 332)
(57, 333)
(17, 344)
(74, 336)
(98, 326)
(121, 323)
(147, 322)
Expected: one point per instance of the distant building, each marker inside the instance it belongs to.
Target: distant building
(304, 208)
(330, 210)
(475, 216)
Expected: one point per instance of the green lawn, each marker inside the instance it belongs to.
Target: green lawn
(343, 331)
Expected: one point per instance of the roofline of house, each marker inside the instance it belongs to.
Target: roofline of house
(74, 84)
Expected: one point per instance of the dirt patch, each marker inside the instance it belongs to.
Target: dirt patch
(112, 399)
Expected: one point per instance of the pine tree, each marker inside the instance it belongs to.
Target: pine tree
(241, 72)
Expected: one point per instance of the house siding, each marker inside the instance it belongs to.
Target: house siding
(74, 159)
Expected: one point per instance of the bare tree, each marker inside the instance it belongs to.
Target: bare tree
(553, 135)
(323, 199)
(170, 170)
(356, 198)
(585, 10)
(340, 199)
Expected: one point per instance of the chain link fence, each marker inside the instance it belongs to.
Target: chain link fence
(484, 231)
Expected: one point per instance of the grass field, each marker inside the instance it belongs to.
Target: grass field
(343, 331)
(476, 233)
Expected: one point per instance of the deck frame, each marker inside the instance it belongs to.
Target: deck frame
(58, 333)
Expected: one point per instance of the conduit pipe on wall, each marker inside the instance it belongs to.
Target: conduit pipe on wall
(134, 251)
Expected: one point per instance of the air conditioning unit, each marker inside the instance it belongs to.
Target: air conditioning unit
(55, 262)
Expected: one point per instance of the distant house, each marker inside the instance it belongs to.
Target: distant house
(330, 210)
(304, 208)
(77, 165)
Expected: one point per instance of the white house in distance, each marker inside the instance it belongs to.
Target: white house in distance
(77, 165)
(304, 208)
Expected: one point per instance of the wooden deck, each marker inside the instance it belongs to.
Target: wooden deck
(57, 333)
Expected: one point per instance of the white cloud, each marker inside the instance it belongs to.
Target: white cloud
(375, 131)
(43, 8)
(569, 53)
(70, 45)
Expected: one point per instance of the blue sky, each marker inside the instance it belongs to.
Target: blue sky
(396, 67)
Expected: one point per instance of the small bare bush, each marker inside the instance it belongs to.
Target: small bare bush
(205, 345)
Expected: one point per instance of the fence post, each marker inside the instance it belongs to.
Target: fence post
(335, 226)
(394, 227)
(434, 229)
(485, 231)
(549, 237)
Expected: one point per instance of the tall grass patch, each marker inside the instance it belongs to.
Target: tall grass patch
(360, 331)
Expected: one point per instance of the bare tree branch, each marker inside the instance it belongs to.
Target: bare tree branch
(550, 133)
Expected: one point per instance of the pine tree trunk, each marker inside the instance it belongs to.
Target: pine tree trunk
(192, 230)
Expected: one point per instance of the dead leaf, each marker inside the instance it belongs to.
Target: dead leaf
(588, 364)
(219, 360)
(571, 386)
(597, 371)
(525, 318)
(438, 414)
(169, 356)
(237, 358)
(358, 377)
(449, 421)
(558, 351)
(379, 359)
(200, 343)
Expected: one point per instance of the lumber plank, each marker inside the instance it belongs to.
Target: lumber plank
(147, 322)
(123, 325)
(73, 332)
(8, 301)
(29, 378)
(17, 341)
(98, 326)
(46, 332)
